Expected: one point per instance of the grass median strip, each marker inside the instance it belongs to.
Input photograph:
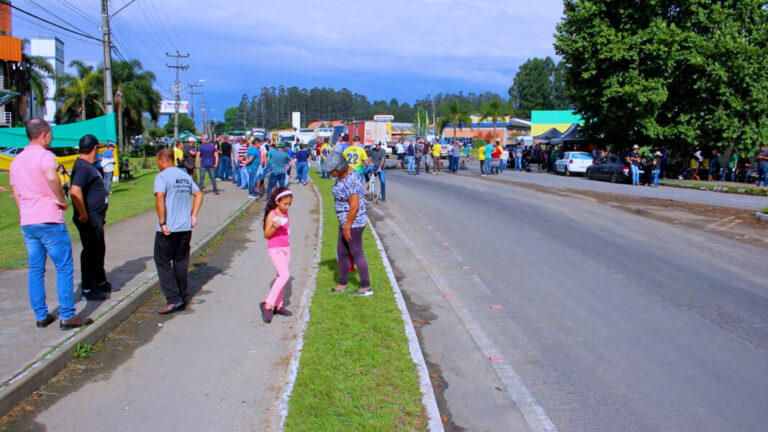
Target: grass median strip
(129, 198)
(355, 372)
(746, 188)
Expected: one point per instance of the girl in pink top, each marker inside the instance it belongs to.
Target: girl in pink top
(277, 231)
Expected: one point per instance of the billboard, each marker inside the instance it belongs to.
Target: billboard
(169, 107)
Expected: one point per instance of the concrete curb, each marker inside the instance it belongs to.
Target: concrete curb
(761, 216)
(720, 189)
(306, 302)
(43, 369)
(427, 392)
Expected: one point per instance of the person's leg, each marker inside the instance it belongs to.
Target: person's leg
(98, 249)
(87, 268)
(281, 260)
(59, 246)
(36, 257)
(212, 175)
(201, 183)
(180, 259)
(342, 259)
(655, 178)
(271, 184)
(245, 178)
(108, 181)
(163, 254)
(760, 176)
(383, 182)
(418, 164)
(356, 249)
(252, 181)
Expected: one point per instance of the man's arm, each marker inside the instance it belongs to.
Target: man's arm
(354, 206)
(76, 192)
(52, 178)
(215, 159)
(161, 212)
(197, 202)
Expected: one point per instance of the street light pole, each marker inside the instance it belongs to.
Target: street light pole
(177, 90)
(192, 94)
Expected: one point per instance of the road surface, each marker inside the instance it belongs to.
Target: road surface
(549, 312)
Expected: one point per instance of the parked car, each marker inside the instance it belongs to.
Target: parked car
(611, 168)
(573, 162)
(11, 152)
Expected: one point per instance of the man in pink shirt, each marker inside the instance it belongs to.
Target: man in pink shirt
(41, 202)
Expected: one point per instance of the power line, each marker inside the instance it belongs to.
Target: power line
(56, 32)
(57, 17)
(79, 12)
(87, 36)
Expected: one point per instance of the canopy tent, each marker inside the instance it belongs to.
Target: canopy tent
(186, 135)
(66, 135)
(551, 133)
(572, 136)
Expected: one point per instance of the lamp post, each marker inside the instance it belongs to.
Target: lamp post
(192, 94)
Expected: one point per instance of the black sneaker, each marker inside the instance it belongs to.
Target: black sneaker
(107, 287)
(94, 295)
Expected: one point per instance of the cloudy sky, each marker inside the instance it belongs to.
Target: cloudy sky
(405, 49)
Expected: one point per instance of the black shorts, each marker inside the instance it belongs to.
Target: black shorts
(401, 156)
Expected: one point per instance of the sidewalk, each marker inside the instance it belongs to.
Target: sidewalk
(129, 266)
(214, 367)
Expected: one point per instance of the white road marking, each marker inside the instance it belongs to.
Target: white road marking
(533, 413)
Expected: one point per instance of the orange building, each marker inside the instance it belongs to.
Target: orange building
(10, 52)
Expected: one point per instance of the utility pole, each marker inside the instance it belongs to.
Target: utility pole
(108, 104)
(176, 89)
(204, 109)
(192, 94)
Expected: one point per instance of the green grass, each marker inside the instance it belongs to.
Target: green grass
(128, 199)
(355, 373)
(764, 210)
(720, 186)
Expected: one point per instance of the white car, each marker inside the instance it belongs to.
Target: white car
(11, 152)
(573, 162)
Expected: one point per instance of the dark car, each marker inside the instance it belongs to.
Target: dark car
(611, 168)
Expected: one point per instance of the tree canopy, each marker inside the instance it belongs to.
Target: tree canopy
(680, 74)
(538, 85)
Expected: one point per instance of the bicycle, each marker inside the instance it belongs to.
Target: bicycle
(372, 191)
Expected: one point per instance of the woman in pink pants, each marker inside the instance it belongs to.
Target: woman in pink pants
(277, 231)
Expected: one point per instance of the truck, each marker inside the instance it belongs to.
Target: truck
(369, 131)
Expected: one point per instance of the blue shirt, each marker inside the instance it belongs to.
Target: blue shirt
(278, 160)
(177, 186)
(302, 156)
(255, 153)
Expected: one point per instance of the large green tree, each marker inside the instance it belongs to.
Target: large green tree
(77, 93)
(538, 85)
(455, 114)
(494, 111)
(681, 74)
(185, 124)
(134, 96)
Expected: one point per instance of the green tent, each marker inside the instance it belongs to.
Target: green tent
(186, 135)
(67, 135)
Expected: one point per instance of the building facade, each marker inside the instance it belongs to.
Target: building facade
(52, 50)
(10, 54)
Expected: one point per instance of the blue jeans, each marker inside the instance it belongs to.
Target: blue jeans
(518, 163)
(225, 167)
(454, 165)
(487, 166)
(253, 178)
(211, 171)
(502, 165)
(411, 164)
(43, 240)
(761, 172)
(275, 180)
(242, 178)
(301, 171)
(655, 174)
(635, 174)
(383, 180)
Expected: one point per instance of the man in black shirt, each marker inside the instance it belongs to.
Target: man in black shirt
(89, 199)
(379, 157)
(225, 159)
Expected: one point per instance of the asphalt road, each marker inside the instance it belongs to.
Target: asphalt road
(747, 202)
(546, 312)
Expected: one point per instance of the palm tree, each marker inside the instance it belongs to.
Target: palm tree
(29, 75)
(78, 93)
(456, 114)
(494, 110)
(134, 96)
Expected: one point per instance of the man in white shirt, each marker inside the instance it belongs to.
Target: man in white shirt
(400, 151)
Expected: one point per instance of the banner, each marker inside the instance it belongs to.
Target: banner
(66, 135)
